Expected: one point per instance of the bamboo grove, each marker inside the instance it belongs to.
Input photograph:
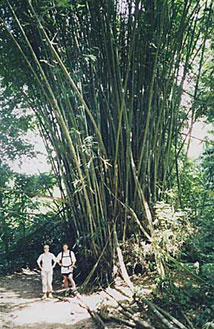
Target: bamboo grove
(105, 80)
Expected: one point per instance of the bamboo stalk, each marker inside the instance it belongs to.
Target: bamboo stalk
(67, 75)
(124, 272)
(174, 320)
(160, 316)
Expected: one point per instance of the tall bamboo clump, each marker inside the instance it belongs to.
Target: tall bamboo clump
(105, 80)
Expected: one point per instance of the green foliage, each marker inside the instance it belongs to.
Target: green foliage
(208, 271)
(184, 296)
(16, 121)
(171, 228)
(190, 293)
(207, 162)
(208, 325)
(24, 228)
(171, 231)
(205, 99)
(105, 83)
(200, 246)
(137, 254)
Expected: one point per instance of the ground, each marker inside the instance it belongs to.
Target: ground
(21, 306)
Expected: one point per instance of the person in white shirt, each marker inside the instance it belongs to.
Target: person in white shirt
(66, 259)
(46, 263)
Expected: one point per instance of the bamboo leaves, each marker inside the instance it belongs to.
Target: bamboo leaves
(106, 87)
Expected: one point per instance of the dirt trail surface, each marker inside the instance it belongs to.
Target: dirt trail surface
(21, 306)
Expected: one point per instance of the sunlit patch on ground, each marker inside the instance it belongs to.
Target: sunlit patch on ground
(50, 311)
(22, 308)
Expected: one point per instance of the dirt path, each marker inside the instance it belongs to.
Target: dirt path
(21, 306)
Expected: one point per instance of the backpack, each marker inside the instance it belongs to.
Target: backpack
(66, 256)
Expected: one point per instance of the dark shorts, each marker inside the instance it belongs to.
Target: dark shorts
(67, 274)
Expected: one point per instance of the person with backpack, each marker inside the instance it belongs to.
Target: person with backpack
(66, 259)
(46, 263)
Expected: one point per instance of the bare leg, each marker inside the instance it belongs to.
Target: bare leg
(65, 281)
(70, 277)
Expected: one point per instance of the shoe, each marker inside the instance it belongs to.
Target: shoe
(50, 295)
(44, 296)
(66, 293)
(73, 292)
(74, 289)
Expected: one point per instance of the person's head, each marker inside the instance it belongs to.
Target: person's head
(65, 246)
(46, 248)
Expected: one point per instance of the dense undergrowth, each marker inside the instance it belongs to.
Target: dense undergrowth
(187, 291)
(184, 285)
(184, 296)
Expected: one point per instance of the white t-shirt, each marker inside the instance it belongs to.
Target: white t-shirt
(67, 258)
(47, 261)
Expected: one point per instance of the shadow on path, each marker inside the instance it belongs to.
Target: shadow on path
(22, 308)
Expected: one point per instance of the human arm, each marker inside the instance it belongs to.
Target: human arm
(73, 259)
(54, 259)
(58, 259)
(39, 260)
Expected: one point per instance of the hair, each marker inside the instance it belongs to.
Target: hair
(65, 244)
